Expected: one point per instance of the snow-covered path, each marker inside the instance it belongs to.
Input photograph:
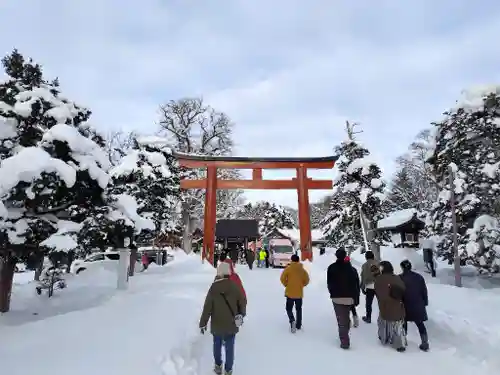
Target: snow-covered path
(152, 330)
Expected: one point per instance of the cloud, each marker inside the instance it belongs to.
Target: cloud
(288, 72)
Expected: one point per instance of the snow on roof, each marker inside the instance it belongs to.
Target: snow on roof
(397, 218)
(85, 151)
(294, 234)
(28, 164)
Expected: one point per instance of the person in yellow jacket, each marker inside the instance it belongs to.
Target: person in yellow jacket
(262, 258)
(294, 278)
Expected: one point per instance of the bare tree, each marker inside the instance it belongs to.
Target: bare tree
(195, 128)
(118, 143)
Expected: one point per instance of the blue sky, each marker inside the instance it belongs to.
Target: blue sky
(289, 73)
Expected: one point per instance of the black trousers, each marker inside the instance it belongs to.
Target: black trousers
(370, 295)
(290, 303)
(422, 330)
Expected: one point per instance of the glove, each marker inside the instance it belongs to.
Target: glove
(203, 330)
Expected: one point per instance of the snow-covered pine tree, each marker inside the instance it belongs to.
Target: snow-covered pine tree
(468, 140)
(53, 169)
(151, 174)
(275, 217)
(359, 186)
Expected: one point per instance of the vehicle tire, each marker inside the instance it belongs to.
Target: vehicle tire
(80, 270)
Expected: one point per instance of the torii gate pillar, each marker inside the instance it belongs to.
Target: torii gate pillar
(304, 215)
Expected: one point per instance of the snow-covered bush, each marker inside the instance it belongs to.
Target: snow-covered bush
(468, 140)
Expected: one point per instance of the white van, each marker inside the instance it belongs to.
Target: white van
(280, 252)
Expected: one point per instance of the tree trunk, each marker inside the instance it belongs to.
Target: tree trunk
(69, 260)
(186, 235)
(371, 237)
(7, 266)
(133, 260)
(39, 266)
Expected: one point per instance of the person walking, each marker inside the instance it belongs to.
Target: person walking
(266, 259)
(369, 271)
(225, 307)
(415, 301)
(343, 285)
(250, 258)
(428, 246)
(145, 262)
(262, 258)
(390, 289)
(294, 278)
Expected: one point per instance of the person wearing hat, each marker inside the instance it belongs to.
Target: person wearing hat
(343, 285)
(415, 301)
(225, 306)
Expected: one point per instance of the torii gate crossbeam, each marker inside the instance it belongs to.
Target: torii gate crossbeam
(302, 183)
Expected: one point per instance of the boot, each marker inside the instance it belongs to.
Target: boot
(293, 327)
(356, 321)
(367, 319)
(218, 369)
(230, 372)
(424, 346)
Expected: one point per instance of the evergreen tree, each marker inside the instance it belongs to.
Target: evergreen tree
(151, 174)
(468, 140)
(359, 187)
(275, 217)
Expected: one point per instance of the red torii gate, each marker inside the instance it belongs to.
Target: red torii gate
(211, 183)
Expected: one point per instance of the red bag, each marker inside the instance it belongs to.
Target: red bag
(236, 278)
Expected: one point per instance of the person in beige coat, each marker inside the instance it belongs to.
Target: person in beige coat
(369, 271)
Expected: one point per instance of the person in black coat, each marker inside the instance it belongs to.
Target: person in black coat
(415, 301)
(343, 285)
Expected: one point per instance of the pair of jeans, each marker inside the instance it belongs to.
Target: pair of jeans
(290, 303)
(228, 341)
(370, 295)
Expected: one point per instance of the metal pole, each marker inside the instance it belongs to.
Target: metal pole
(456, 257)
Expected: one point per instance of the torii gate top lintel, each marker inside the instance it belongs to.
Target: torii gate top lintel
(302, 183)
(242, 162)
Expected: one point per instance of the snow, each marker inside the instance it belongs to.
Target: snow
(130, 164)
(89, 155)
(473, 98)
(7, 127)
(397, 218)
(127, 210)
(113, 333)
(294, 234)
(28, 165)
(155, 141)
(60, 242)
(361, 163)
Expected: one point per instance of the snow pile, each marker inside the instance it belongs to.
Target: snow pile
(397, 218)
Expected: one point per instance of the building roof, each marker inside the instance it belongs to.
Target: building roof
(226, 228)
(398, 219)
(294, 234)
